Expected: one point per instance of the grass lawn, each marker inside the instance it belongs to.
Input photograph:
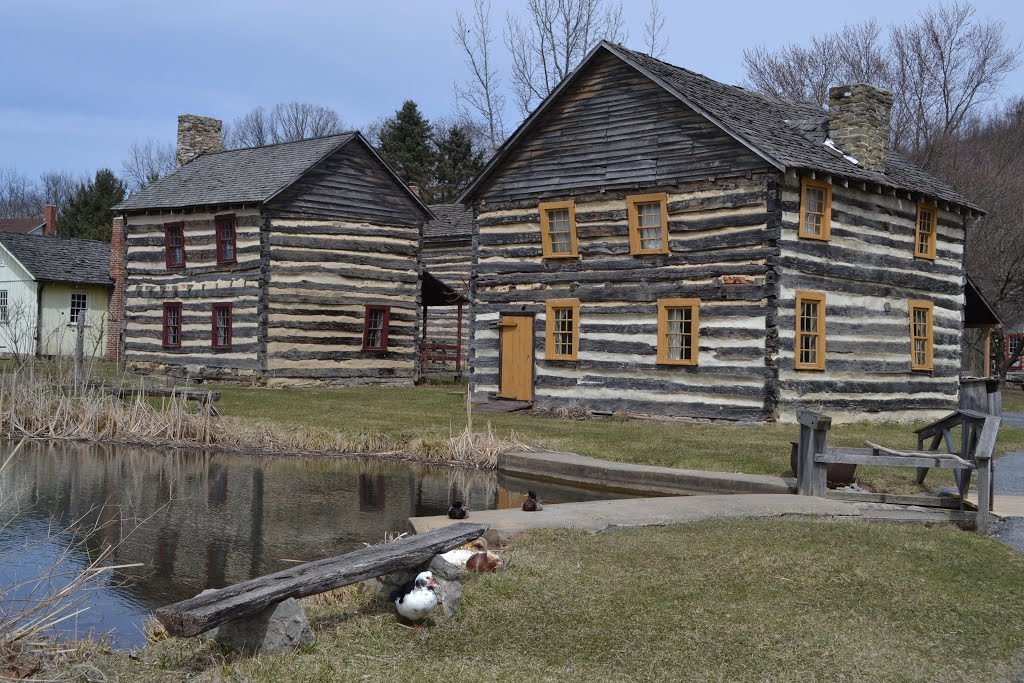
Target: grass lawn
(763, 600)
(1013, 400)
(405, 414)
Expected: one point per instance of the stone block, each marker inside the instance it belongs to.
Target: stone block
(282, 627)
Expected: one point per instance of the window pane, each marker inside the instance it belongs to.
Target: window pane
(808, 336)
(563, 331)
(814, 211)
(560, 231)
(649, 227)
(375, 329)
(679, 333)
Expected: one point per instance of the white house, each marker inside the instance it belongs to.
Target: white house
(46, 283)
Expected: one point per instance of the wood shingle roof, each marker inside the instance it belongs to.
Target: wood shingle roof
(61, 259)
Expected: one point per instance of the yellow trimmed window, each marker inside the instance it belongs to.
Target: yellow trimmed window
(678, 331)
(563, 329)
(815, 209)
(810, 331)
(558, 230)
(921, 335)
(648, 223)
(927, 224)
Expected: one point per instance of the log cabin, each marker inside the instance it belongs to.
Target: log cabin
(651, 241)
(289, 263)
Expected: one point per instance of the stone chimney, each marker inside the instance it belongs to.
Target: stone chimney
(858, 121)
(197, 135)
(50, 214)
(115, 313)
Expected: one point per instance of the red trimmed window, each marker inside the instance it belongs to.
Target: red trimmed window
(172, 325)
(226, 239)
(221, 338)
(174, 244)
(375, 328)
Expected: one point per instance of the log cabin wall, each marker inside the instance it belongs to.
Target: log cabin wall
(720, 232)
(869, 274)
(197, 287)
(451, 262)
(344, 237)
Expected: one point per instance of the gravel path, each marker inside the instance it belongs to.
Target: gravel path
(1009, 481)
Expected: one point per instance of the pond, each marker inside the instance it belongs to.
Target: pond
(194, 520)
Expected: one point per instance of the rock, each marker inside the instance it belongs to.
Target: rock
(279, 628)
(450, 593)
(443, 569)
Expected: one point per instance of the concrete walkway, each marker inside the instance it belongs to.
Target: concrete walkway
(1008, 501)
(638, 512)
(580, 470)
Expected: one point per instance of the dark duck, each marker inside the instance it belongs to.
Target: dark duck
(532, 503)
(456, 511)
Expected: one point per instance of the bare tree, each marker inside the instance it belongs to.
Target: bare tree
(795, 72)
(18, 331)
(19, 196)
(285, 122)
(947, 65)
(553, 39)
(58, 187)
(480, 96)
(147, 162)
(654, 39)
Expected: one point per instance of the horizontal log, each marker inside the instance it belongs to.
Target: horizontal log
(867, 456)
(213, 608)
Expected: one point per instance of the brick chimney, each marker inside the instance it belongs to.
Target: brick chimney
(197, 135)
(50, 214)
(858, 121)
(115, 313)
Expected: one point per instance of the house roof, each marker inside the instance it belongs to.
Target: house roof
(787, 135)
(453, 222)
(237, 176)
(60, 259)
(22, 225)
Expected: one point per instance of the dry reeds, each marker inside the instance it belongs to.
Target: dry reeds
(42, 402)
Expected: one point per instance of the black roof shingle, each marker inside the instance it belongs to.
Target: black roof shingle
(61, 259)
(453, 222)
(238, 176)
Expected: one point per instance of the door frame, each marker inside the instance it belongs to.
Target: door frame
(533, 352)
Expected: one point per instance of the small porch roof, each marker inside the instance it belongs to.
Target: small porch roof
(437, 293)
(977, 311)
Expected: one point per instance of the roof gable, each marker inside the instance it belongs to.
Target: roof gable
(452, 222)
(786, 135)
(60, 259)
(239, 176)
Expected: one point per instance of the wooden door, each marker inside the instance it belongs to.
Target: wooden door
(516, 332)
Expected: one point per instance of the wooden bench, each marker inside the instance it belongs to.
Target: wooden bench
(213, 608)
(978, 440)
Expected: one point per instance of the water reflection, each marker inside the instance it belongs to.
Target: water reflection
(194, 520)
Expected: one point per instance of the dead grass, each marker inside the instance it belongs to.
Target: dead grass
(738, 601)
(422, 419)
(1013, 400)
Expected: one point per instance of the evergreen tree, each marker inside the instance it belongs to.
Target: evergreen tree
(457, 163)
(405, 143)
(88, 213)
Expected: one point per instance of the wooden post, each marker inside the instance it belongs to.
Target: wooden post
(80, 352)
(984, 494)
(812, 477)
(458, 345)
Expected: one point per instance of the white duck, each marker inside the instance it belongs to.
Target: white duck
(416, 599)
(460, 556)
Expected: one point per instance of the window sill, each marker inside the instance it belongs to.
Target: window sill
(807, 368)
(660, 252)
(926, 257)
(677, 363)
(561, 256)
(816, 238)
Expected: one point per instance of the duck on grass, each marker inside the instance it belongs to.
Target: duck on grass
(416, 599)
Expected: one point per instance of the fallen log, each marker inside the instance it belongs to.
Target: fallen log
(208, 610)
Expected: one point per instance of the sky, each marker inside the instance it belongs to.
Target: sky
(81, 81)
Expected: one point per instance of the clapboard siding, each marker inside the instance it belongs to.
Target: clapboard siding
(197, 287)
(322, 275)
(868, 273)
(614, 128)
(616, 367)
(354, 186)
(450, 261)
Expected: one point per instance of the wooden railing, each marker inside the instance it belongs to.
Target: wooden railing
(977, 445)
(434, 354)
